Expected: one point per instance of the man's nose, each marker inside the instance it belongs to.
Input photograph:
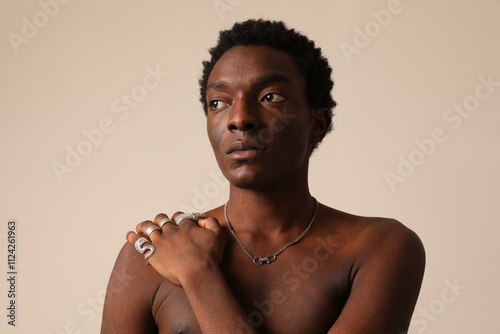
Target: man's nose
(244, 116)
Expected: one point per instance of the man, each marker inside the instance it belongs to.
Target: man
(272, 260)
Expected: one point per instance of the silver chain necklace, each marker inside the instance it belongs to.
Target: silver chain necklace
(257, 260)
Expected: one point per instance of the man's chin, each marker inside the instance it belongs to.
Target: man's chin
(249, 178)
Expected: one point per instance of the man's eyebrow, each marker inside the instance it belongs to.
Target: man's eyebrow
(218, 85)
(272, 78)
(260, 81)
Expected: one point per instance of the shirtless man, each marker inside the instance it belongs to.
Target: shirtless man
(266, 93)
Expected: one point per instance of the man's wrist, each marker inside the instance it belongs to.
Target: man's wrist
(193, 275)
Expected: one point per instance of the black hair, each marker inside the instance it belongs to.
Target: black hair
(313, 66)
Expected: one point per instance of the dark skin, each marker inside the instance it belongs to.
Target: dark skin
(349, 274)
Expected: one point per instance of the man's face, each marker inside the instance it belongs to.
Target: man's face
(258, 120)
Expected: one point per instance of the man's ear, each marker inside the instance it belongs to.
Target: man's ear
(321, 120)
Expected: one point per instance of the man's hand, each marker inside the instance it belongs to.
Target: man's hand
(185, 249)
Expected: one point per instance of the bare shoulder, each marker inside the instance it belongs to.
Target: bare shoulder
(389, 237)
(387, 263)
(217, 212)
(132, 262)
(130, 295)
(371, 233)
(382, 247)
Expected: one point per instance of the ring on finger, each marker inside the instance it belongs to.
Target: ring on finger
(139, 246)
(165, 221)
(151, 229)
(190, 215)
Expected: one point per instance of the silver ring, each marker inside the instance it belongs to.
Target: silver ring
(164, 221)
(139, 247)
(190, 215)
(151, 229)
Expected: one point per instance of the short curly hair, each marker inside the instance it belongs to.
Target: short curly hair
(312, 64)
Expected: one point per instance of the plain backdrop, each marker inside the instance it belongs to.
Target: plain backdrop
(416, 138)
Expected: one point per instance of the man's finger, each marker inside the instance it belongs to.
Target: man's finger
(210, 223)
(162, 220)
(185, 218)
(132, 237)
(144, 229)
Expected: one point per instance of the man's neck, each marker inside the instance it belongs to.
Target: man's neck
(285, 209)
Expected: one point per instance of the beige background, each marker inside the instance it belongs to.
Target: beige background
(64, 78)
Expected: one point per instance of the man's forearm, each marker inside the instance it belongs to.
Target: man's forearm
(214, 305)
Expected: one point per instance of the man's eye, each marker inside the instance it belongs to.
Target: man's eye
(273, 97)
(218, 104)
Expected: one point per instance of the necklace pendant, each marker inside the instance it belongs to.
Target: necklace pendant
(257, 260)
(269, 258)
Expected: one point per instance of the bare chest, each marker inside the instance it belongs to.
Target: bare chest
(296, 294)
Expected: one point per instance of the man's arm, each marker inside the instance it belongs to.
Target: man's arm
(385, 282)
(129, 296)
(214, 305)
(189, 255)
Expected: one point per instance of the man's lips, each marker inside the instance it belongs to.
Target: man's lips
(245, 146)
